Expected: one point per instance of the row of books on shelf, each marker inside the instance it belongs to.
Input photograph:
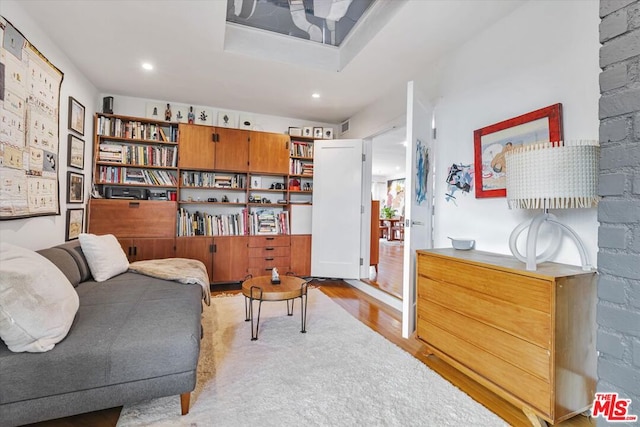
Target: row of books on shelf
(300, 167)
(123, 175)
(119, 128)
(211, 179)
(245, 223)
(301, 149)
(138, 154)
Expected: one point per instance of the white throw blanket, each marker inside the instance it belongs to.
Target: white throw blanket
(183, 270)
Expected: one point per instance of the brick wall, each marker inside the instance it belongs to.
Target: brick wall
(618, 339)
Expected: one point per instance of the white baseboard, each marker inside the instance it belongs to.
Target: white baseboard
(377, 294)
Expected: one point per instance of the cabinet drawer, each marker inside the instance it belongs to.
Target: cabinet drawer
(268, 241)
(518, 352)
(514, 380)
(269, 251)
(266, 271)
(127, 218)
(510, 287)
(530, 325)
(264, 262)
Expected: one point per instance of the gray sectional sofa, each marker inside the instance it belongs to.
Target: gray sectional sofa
(134, 338)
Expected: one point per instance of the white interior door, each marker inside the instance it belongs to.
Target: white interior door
(336, 212)
(418, 232)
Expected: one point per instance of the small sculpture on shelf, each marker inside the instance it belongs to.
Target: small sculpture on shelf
(191, 117)
(167, 113)
(275, 277)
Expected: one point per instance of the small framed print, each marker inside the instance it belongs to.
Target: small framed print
(295, 131)
(75, 224)
(307, 131)
(246, 121)
(317, 133)
(327, 133)
(256, 182)
(75, 158)
(226, 119)
(76, 116)
(75, 187)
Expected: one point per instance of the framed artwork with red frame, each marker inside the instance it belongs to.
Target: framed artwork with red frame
(491, 143)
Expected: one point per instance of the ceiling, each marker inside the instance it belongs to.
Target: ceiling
(199, 59)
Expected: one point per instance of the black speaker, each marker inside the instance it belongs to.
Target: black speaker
(107, 105)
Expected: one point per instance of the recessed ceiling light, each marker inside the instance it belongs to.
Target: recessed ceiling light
(315, 95)
(147, 66)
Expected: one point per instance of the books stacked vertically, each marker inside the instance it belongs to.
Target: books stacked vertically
(301, 149)
(205, 224)
(118, 128)
(123, 175)
(300, 167)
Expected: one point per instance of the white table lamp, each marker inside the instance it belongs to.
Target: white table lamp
(551, 176)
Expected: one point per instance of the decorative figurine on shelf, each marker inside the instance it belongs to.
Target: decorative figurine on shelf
(167, 113)
(225, 199)
(191, 117)
(155, 111)
(275, 277)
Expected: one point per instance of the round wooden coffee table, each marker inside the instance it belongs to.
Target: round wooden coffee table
(261, 289)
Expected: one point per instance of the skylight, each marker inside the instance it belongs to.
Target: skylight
(322, 21)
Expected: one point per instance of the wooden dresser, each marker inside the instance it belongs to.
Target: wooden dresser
(529, 336)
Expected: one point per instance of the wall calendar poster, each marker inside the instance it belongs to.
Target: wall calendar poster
(29, 133)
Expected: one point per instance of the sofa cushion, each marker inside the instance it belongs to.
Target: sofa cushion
(130, 328)
(104, 255)
(37, 301)
(65, 263)
(75, 250)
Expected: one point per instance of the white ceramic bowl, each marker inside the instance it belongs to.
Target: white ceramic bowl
(462, 244)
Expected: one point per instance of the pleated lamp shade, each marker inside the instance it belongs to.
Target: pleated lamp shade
(552, 176)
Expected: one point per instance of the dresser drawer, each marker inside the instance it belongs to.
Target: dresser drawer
(530, 325)
(518, 352)
(269, 262)
(513, 288)
(523, 385)
(269, 251)
(268, 241)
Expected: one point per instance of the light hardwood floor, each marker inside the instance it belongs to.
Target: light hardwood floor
(389, 277)
(387, 322)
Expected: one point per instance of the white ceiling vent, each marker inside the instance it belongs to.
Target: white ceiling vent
(344, 127)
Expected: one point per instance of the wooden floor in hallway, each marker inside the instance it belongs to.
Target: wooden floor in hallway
(389, 277)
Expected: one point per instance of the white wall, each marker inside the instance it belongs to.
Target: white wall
(131, 106)
(40, 232)
(543, 53)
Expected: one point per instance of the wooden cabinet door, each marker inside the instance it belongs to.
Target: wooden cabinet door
(200, 248)
(132, 218)
(269, 153)
(127, 247)
(230, 258)
(232, 149)
(301, 255)
(154, 248)
(196, 148)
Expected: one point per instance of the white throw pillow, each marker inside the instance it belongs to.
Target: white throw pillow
(37, 301)
(104, 255)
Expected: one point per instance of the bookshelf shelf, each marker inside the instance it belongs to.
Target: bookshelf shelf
(136, 141)
(134, 165)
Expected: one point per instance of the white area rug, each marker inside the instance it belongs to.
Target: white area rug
(340, 373)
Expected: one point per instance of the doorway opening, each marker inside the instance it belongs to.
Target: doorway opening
(388, 164)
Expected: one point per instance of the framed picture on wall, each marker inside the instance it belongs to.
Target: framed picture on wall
(317, 133)
(75, 224)
(75, 187)
(76, 116)
(491, 143)
(75, 158)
